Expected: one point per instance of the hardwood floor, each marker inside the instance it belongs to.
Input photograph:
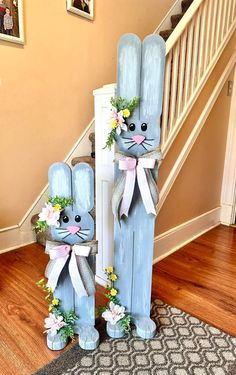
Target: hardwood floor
(199, 278)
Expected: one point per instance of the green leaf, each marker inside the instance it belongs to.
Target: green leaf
(125, 323)
(110, 139)
(62, 201)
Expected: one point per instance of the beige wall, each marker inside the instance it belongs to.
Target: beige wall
(197, 189)
(46, 87)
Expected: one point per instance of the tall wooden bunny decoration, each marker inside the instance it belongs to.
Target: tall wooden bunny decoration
(72, 252)
(140, 73)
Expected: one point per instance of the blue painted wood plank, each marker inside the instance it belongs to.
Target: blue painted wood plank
(140, 73)
(78, 184)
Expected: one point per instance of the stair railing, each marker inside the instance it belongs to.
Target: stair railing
(192, 51)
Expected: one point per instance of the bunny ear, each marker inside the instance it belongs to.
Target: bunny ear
(83, 187)
(152, 76)
(59, 177)
(129, 65)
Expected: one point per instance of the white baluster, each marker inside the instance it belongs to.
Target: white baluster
(204, 40)
(219, 23)
(208, 33)
(233, 11)
(228, 15)
(213, 28)
(166, 99)
(174, 81)
(188, 62)
(183, 43)
(223, 20)
(195, 50)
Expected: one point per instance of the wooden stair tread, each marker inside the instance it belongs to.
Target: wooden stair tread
(165, 34)
(83, 159)
(175, 19)
(186, 4)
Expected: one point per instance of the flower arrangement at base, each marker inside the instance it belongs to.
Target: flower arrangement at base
(58, 322)
(50, 214)
(120, 111)
(114, 312)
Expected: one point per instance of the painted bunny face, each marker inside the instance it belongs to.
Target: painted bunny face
(141, 73)
(73, 227)
(76, 224)
(141, 137)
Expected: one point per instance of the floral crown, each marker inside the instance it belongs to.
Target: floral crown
(50, 214)
(120, 111)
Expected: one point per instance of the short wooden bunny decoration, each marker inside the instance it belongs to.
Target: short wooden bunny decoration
(72, 252)
(140, 74)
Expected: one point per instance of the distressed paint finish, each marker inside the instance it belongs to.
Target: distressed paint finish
(140, 73)
(78, 184)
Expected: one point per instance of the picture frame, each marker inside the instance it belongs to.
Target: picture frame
(12, 21)
(84, 8)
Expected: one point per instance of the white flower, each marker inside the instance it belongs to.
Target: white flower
(114, 313)
(50, 215)
(53, 324)
(117, 120)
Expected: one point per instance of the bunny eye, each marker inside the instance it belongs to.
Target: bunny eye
(132, 126)
(144, 126)
(77, 218)
(65, 219)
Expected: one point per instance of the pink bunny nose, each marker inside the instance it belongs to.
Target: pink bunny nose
(138, 139)
(73, 229)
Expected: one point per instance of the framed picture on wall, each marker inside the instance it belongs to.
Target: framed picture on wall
(84, 8)
(11, 21)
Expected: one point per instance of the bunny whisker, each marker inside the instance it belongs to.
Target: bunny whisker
(85, 230)
(131, 146)
(126, 138)
(129, 142)
(146, 143)
(61, 230)
(66, 236)
(149, 139)
(143, 146)
(84, 234)
(79, 236)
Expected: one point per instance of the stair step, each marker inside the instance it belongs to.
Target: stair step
(165, 34)
(175, 19)
(186, 4)
(92, 140)
(83, 159)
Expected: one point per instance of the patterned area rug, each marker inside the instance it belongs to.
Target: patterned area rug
(184, 345)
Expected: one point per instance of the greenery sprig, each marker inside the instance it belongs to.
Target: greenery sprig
(69, 317)
(121, 109)
(51, 212)
(112, 295)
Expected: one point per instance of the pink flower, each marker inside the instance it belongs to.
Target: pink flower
(53, 324)
(114, 313)
(49, 214)
(119, 119)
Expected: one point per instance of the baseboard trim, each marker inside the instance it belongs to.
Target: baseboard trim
(22, 234)
(175, 238)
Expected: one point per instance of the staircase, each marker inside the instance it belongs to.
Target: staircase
(196, 34)
(175, 18)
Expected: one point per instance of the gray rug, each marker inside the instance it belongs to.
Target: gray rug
(184, 345)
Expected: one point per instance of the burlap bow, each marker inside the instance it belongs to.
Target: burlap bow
(132, 168)
(81, 275)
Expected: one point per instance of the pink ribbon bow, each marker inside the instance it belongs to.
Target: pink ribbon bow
(136, 167)
(59, 255)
